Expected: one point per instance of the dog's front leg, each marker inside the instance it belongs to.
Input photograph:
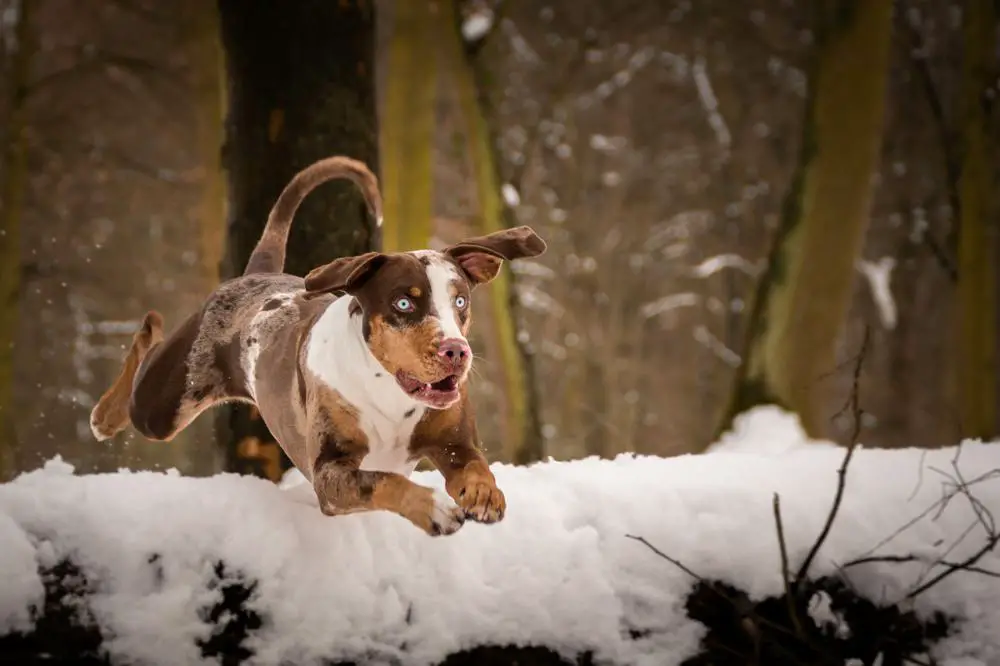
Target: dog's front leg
(468, 479)
(342, 487)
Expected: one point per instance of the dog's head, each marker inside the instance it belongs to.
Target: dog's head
(416, 306)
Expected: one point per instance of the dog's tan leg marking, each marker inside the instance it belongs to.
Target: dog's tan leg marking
(342, 489)
(469, 481)
(338, 445)
(111, 414)
(448, 439)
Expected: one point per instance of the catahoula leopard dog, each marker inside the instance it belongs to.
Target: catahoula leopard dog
(359, 370)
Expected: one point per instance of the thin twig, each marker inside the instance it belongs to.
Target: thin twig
(790, 596)
(677, 563)
(842, 472)
(902, 559)
(984, 517)
(938, 506)
(951, 166)
(964, 565)
(739, 607)
(920, 476)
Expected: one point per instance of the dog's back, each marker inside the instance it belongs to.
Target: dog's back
(211, 357)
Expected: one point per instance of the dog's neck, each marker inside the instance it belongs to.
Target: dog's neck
(338, 355)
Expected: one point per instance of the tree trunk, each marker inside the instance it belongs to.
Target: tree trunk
(407, 127)
(977, 287)
(211, 117)
(11, 208)
(804, 296)
(301, 87)
(522, 441)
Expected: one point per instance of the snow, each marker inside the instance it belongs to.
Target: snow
(716, 263)
(510, 195)
(879, 274)
(711, 105)
(668, 304)
(706, 338)
(558, 571)
(607, 144)
(477, 24)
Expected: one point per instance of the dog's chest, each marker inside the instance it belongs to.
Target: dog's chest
(388, 441)
(337, 356)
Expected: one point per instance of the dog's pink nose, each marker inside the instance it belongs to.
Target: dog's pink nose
(455, 350)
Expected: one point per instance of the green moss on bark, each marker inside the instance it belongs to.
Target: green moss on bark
(804, 294)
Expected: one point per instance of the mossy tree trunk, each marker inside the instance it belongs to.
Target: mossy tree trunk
(211, 117)
(803, 297)
(977, 187)
(14, 177)
(300, 88)
(523, 437)
(407, 127)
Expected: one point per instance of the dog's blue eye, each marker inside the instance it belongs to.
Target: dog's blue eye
(403, 304)
(460, 302)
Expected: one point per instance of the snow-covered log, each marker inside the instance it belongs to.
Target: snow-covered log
(151, 568)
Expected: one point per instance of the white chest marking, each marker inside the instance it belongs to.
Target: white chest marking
(338, 355)
(441, 274)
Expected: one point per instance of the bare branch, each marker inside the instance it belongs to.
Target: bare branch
(903, 559)
(854, 403)
(956, 485)
(741, 607)
(984, 517)
(677, 563)
(951, 163)
(790, 595)
(968, 564)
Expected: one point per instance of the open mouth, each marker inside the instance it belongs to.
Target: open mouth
(441, 393)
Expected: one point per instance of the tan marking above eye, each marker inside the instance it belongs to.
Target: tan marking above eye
(415, 292)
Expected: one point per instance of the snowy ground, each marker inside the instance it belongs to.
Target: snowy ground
(559, 571)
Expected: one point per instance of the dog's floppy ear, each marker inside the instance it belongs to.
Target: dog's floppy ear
(343, 274)
(482, 257)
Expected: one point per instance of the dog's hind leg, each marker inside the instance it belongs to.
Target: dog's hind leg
(111, 414)
(155, 391)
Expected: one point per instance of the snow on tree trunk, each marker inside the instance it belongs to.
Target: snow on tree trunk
(805, 293)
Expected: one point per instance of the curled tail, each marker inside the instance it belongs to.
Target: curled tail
(269, 254)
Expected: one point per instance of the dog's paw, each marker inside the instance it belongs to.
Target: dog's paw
(97, 427)
(482, 501)
(447, 516)
(438, 515)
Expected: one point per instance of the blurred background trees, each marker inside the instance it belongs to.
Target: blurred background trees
(805, 289)
(300, 87)
(665, 151)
